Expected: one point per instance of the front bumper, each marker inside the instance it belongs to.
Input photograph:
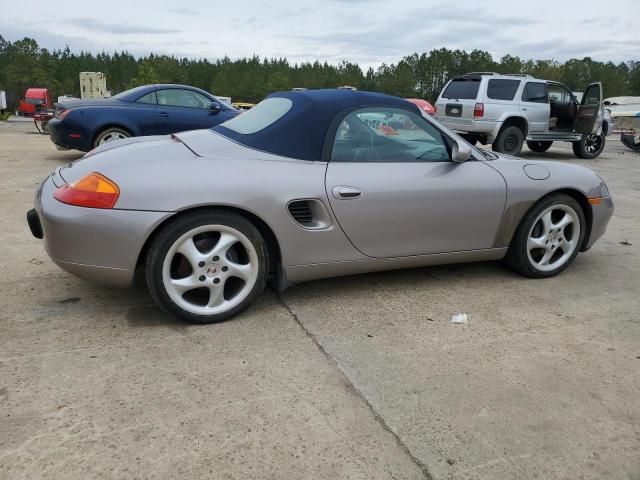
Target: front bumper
(601, 214)
(98, 245)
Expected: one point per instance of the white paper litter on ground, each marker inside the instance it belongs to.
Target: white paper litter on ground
(459, 318)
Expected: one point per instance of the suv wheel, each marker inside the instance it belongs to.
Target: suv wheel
(589, 147)
(539, 147)
(509, 141)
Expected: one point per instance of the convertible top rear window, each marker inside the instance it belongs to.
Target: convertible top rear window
(259, 117)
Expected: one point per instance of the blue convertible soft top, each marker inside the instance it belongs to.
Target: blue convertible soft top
(301, 132)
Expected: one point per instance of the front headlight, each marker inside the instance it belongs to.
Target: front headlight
(604, 190)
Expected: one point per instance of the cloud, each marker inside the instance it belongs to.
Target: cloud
(184, 11)
(48, 39)
(118, 28)
(368, 32)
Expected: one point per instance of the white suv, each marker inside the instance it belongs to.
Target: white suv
(506, 110)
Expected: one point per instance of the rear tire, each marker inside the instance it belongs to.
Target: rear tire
(110, 134)
(630, 142)
(539, 146)
(548, 238)
(207, 266)
(590, 146)
(509, 141)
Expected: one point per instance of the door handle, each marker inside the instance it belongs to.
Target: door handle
(524, 109)
(346, 193)
(163, 114)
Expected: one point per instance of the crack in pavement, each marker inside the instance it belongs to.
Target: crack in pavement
(377, 417)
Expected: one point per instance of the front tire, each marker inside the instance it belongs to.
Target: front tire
(589, 147)
(109, 135)
(549, 237)
(207, 266)
(539, 146)
(509, 141)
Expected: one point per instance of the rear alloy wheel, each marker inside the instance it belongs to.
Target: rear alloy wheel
(589, 147)
(109, 135)
(631, 141)
(509, 141)
(539, 146)
(207, 266)
(549, 237)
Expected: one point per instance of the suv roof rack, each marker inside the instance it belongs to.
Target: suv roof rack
(525, 75)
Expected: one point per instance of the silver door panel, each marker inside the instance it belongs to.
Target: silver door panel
(418, 208)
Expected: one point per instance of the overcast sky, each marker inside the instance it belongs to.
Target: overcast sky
(369, 32)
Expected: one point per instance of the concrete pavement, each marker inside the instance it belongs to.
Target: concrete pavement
(359, 377)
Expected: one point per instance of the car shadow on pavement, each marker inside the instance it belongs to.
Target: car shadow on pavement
(152, 316)
(449, 274)
(64, 157)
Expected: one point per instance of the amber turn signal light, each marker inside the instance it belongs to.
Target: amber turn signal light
(594, 201)
(93, 191)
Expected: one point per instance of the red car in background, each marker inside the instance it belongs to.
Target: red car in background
(35, 98)
(423, 105)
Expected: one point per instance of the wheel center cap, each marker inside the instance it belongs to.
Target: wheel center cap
(212, 270)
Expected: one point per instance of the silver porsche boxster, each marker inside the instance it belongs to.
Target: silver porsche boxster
(307, 185)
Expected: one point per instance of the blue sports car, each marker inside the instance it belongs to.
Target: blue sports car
(147, 110)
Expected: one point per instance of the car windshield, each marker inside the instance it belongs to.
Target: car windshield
(259, 117)
(34, 101)
(462, 89)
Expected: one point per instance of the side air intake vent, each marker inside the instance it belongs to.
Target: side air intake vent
(301, 212)
(309, 213)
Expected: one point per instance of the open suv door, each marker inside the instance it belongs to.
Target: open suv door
(591, 111)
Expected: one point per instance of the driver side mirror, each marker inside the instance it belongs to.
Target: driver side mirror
(460, 151)
(214, 108)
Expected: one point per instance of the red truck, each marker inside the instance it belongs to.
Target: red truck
(35, 98)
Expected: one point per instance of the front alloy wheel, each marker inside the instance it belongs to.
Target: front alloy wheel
(207, 267)
(553, 238)
(548, 238)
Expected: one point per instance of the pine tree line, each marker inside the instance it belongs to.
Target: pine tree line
(25, 64)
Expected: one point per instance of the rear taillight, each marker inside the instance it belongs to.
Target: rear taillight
(93, 191)
(478, 110)
(435, 109)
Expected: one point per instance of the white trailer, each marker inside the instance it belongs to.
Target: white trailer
(3, 100)
(93, 85)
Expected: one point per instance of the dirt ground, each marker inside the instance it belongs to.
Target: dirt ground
(361, 377)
